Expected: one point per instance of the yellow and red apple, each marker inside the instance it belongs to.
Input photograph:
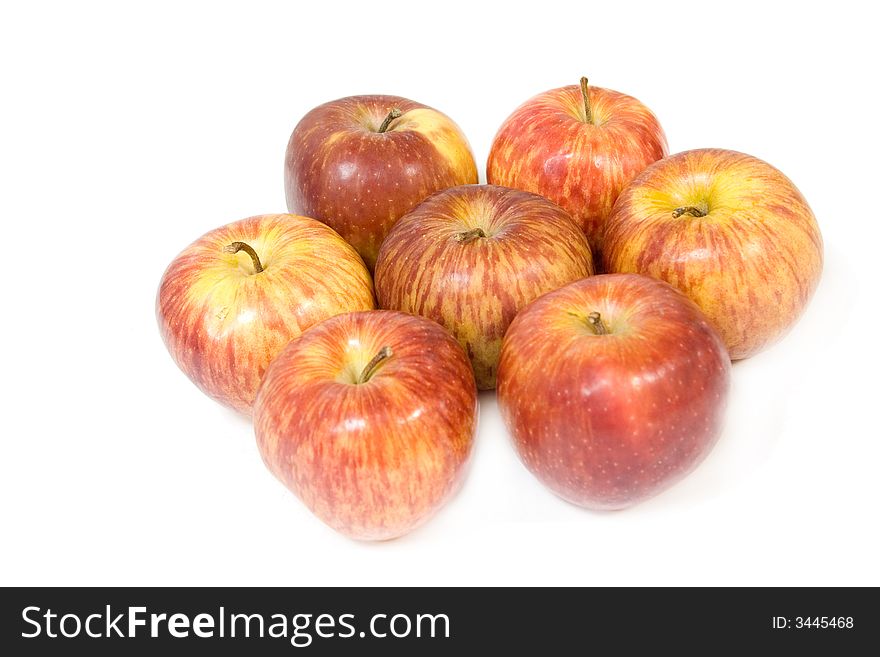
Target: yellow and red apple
(236, 296)
(613, 388)
(579, 146)
(369, 418)
(470, 257)
(731, 232)
(360, 163)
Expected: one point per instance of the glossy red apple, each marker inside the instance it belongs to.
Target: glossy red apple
(470, 257)
(360, 163)
(236, 296)
(369, 418)
(731, 232)
(579, 146)
(613, 388)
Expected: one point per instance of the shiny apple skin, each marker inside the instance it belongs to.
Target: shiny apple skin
(606, 421)
(223, 323)
(752, 263)
(373, 460)
(548, 148)
(340, 170)
(475, 289)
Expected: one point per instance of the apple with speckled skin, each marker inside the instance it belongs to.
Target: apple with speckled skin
(579, 146)
(236, 296)
(470, 257)
(360, 163)
(613, 388)
(369, 418)
(730, 231)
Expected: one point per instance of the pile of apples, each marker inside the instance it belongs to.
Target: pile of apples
(613, 385)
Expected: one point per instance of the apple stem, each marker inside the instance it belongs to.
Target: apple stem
(469, 235)
(384, 352)
(595, 320)
(395, 113)
(585, 92)
(688, 209)
(235, 247)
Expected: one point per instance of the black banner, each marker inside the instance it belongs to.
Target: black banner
(334, 621)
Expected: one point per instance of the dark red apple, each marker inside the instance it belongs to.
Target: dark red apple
(369, 418)
(613, 388)
(360, 163)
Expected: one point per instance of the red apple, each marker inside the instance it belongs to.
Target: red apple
(369, 418)
(360, 163)
(613, 388)
(470, 257)
(237, 295)
(731, 232)
(579, 147)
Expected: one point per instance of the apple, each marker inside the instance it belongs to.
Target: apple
(613, 388)
(579, 146)
(237, 295)
(360, 163)
(369, 418)
(470, 257)
(731, 232)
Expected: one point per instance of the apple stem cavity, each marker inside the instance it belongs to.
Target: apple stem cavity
(368, 371)
(585, 93)
(688, 209)
(468, 236)
(235, 247)
(395, 113)
(596, 323)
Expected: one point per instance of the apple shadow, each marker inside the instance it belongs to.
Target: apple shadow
(238, 419)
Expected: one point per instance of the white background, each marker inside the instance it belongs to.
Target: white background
(128, 131)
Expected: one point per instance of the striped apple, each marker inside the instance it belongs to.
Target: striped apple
(360, 163)
(731, 232)
(613, 388)
(237, 295)
(369, 418)
(470, 257)
(579, 146)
